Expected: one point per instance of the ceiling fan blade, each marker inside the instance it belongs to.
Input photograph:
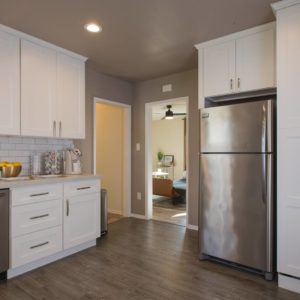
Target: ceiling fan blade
(179, 114)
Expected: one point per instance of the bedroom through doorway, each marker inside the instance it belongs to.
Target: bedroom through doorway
(169, 161)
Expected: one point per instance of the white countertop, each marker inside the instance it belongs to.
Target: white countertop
(29, 182)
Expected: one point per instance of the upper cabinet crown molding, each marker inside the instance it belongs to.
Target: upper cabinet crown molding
(241, 62)
(236, 35)
(25, 36)
(283, 4)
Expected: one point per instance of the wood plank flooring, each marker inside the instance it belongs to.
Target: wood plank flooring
(111, 218)
(170, 215)
(141, 259)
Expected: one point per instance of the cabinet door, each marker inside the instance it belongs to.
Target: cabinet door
(71, 96)
(288, 141)
(219, 69)
(38, 90)
(255, 61)
(9, 84)
(81, 219)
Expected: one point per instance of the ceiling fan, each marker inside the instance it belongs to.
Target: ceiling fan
(169, 114)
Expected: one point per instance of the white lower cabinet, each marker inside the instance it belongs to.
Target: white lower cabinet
(35, 217)
(81, 219)
(50, 218)
(81, 212)
(31, 247)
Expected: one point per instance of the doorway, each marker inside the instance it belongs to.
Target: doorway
(112, 154)
(166, 160)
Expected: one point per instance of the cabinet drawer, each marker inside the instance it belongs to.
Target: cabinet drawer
(35, 246)
(36, 193)
(77, 188)
(37, 216)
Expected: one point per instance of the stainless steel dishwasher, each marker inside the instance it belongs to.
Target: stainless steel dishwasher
(4, 232)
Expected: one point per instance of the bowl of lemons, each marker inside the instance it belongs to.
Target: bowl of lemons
(10, 169)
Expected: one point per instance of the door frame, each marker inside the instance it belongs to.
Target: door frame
(127, 150)
(148, 154)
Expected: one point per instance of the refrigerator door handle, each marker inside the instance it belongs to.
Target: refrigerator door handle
(269, 126)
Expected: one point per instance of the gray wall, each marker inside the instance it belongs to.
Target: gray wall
(184, 84)
(110, 88)
(106, 87)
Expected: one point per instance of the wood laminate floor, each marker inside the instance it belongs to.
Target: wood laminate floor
(111, 218)
(141, 260)
(170, 215)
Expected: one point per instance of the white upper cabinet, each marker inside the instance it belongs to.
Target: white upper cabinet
(70, 96)
(255, 61)
(42, 88)
(9, 84)
(38, 90)
(219, 69)
(240, 62)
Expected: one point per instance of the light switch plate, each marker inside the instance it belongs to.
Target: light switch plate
(139, 196)
(138, 147)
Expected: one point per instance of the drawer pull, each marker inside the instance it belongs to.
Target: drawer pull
(39, 245)
(39, 194)
(38, 217)
(68, 208)
(83, 188)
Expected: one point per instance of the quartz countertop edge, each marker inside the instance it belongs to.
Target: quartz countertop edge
(42, 181)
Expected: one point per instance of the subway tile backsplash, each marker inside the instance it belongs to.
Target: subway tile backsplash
(21, 148)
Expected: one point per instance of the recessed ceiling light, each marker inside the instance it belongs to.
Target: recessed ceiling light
(93, 27)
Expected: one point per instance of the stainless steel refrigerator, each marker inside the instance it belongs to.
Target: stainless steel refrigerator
(236, 185)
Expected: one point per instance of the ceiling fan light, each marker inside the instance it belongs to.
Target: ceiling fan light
(169, 115)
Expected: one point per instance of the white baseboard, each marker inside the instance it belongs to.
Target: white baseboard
(192, 227)
(289, 283)
(117, 212)
(49, 259)
(137, 216)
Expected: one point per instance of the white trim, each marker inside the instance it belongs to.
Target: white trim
(46, 260)
(40, 42)
(289, 283)
(148, 153)
(236, 35)
(116, 212)
(136, 216)
(283, 4)
(127, 150)
(192, 227)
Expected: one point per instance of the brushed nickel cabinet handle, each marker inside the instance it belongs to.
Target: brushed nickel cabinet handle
(60, 128)
(239, 82)
(39, 217)
(68, 208)
(231, 84)
(83, 188)
(54, 128)
(39, 194)
(39, 245)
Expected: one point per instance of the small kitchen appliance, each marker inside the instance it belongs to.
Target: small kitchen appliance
(72, 161)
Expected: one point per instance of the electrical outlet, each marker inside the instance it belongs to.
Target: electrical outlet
(139, 196)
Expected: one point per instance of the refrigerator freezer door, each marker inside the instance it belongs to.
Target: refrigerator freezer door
(236, 208)
(237, 128)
